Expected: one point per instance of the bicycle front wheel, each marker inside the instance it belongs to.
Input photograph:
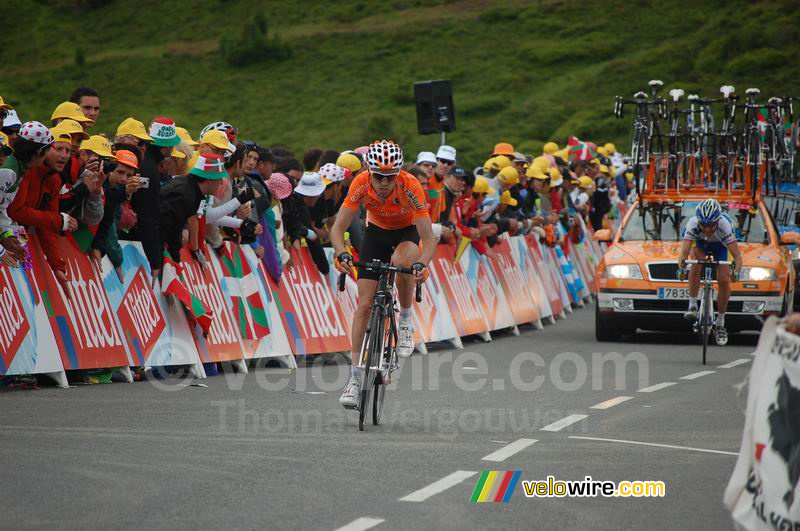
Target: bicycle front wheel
(371, 376)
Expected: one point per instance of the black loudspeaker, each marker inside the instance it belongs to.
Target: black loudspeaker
(435, 113)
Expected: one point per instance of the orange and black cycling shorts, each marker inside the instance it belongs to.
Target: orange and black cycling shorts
(380, 243)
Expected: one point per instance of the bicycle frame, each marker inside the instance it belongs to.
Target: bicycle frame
(705, 315)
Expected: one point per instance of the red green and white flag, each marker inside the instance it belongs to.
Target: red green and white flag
(579, 150)
(172, 283)
(242, 284)
(762, 122)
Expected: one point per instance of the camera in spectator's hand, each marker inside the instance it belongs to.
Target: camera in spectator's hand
(245, 194)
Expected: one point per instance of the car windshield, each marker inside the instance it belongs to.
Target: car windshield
(666, 221)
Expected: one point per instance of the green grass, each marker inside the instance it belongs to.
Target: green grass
(523, 72)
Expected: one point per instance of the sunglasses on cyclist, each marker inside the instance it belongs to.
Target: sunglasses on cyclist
(380, 177)
(712, 225)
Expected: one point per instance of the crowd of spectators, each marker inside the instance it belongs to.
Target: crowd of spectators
(157, 185)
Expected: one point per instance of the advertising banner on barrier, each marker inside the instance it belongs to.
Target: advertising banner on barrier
(522, 254)
(464, 307)
(487, 289)
(312, 317)
(223, 342)
(244, 284)
(155, 331)
(27, 343)
(551, 261)
(550, 283)
(85, 328)
(582, 261)
(518, 294)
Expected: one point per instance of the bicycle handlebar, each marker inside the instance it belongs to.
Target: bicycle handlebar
(381, 267)
(710, 262)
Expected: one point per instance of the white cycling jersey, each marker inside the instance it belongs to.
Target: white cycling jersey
(724, 233)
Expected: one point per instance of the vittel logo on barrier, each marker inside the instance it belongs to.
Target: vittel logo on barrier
(88, 309)
(511, 273)
(313, 304)
(462, 291)
(13, 324)
(221, 331)
(139, 312)
(485, 290)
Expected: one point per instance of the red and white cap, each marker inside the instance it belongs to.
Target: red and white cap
(36, 132)
(279, 186)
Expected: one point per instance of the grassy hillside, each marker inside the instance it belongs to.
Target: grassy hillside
(522, 71)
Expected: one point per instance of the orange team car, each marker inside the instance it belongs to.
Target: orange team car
(638, 285)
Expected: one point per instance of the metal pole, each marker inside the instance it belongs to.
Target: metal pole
(444, 138)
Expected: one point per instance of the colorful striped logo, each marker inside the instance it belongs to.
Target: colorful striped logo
(495, 486)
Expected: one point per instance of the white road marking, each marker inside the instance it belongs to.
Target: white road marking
(611, 403)
(734, 363)
(316, 392)
(656, 387)
(696, 375)
(438, 486)
(691, 448)
(507, 451)
(563, 423)
(500, 442)
(361, 524)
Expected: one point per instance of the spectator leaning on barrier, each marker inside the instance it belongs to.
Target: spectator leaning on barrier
(89, 102)
(120, 183)
(36, 202)
(180, 199)
(82, 178)
(11, 251)
(10, 127)
(299, 222)
(280, 188)
(145, 201)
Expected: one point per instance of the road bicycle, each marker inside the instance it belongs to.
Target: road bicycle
(704, 324)
(379, 348)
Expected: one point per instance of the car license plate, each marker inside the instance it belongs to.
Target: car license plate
(679, 293)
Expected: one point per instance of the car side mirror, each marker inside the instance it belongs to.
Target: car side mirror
(602, 235)
(790, 238)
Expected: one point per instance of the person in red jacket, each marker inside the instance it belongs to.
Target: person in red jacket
(36, 202)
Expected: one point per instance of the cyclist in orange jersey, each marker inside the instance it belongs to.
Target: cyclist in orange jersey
(397, 220)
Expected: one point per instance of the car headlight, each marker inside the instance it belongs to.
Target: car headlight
(625, 271)
(757, 274)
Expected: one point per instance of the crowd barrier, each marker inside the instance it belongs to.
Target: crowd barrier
(124, 320)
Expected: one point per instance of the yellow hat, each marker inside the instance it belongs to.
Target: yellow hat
(509, 176)
(4, 105)
(604, 169)
(610, 148)
(133, 127)
(594, 162)
(184, 135)
(602, 151)
(497, 163)
(535, 173)
(193, 160)
(563, 154)
(555, 174)
(542, 164)
(629, 175)
(61, 136)
(550, 148)
(177, 154)
(70, 127)
(349, 162)
(70, 110)
(506, 199)
(215, 138)
(4, 142)
(586, 182)
(481, 186)
(98, 145)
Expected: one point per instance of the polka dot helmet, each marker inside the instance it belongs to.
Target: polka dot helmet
(384, 157)
(225, 127)
(36, 132)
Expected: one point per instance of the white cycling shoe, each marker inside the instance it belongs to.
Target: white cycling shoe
(690, 314)
(405, 338)
(349, 398)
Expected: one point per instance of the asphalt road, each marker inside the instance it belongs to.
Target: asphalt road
(274, 450)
